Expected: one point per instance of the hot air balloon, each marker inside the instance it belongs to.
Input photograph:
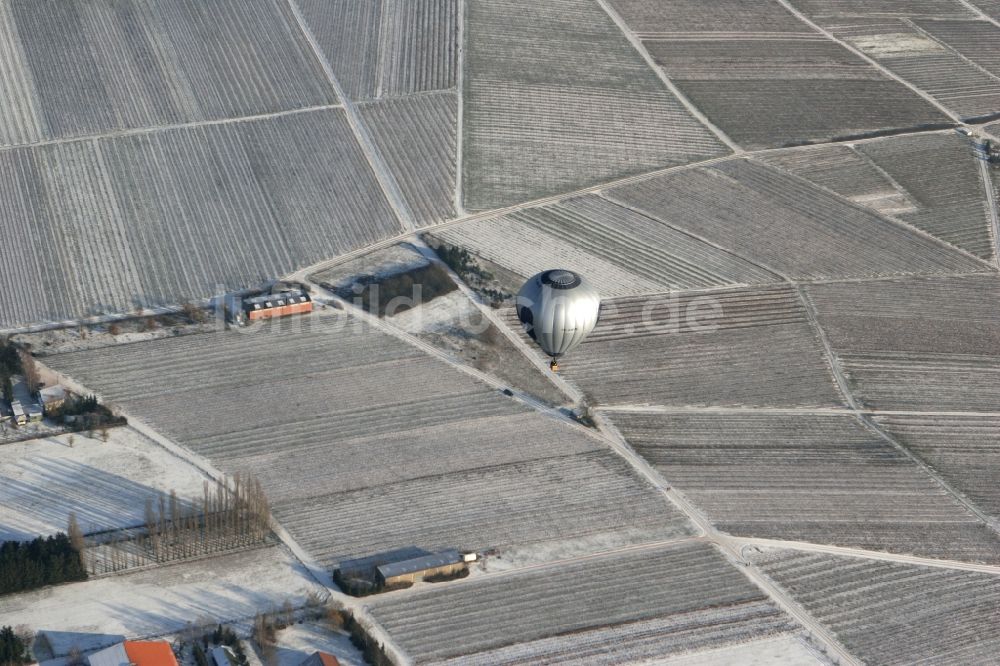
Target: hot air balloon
(558, 308)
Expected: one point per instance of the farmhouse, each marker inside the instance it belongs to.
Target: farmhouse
(418, 568)
(135, 653)
(283, 304)
(52, 397)
(320, 659)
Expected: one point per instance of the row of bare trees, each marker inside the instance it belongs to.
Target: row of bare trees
(232, 513)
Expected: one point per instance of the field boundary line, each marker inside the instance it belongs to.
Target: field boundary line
(832, 362)
(640, 48)
(871, 61)
(991, 202)
(789, 411)
(684, 409)
(983, 16)
(153, 129)
(861, 553)
(382, 173)
(868, 423)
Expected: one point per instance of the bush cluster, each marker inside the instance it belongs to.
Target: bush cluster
(378, 293)
(89, 414)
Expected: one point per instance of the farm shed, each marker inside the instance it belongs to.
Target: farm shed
(277, 305)
(418, 568)
(320, 659)
(20, 416)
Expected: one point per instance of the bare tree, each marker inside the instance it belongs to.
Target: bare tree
(30, 370)
(26, 634)
(74, 657)
(75, 535)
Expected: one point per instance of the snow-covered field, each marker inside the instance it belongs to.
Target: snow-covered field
(380, 263)
(105, 483)
(785, 650)
(160, 600)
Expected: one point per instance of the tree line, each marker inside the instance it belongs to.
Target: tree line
(42, 561)
(232, 513)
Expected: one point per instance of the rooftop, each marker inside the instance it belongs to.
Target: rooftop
(444, 558)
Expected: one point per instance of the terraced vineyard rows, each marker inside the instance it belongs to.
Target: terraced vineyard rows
(826, 10)
(458, 463)
(156, 218)
(785, 224)
(922, 381)
(796, 57)
(924, 62)
(348, 33)
(940, 173)
(387, 48)
(20, 121)
(668, 600)
(843, 170)
(772, 89)
(681, 16)
(421, 42)
(636, 642)
(93, 67)
(965, 450)
(889, 613)
(621, 251)
(927, 344)
(789, 112)
(549, 499)
(549, 89)
(822, 479)
(53, 237)
(979, 41)
(417, 138)
(727, 347)
(990, 7)
(283, 412)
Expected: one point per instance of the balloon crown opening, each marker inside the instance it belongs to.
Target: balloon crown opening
(561, 279)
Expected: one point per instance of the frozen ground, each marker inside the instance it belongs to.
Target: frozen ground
(785, 650)
(160, 600)
(106, 484)
(564, 549)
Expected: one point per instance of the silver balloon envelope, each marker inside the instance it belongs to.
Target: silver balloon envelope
(558, 309)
